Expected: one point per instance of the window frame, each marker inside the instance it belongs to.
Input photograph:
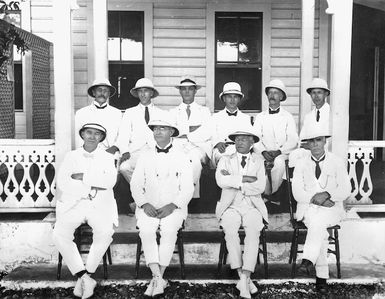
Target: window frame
(212, 8)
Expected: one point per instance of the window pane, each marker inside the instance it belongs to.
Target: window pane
(16, 55)
(131, 25)
(113, 24)
(226, 28)
(132, 50)
(227, 52)
(249, 52)
(113, 48)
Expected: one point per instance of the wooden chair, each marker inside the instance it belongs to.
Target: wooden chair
(300, 226)
(179, 251)
(262, 242)
(82, 235)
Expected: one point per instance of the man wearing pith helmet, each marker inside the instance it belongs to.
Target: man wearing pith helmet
(99, 111)
(162, 186)
(134, 134)
(242, 179)
(223, 123)
(85, 181)
(189, 116)
(320, 185)
(278, 135)
(319, 116)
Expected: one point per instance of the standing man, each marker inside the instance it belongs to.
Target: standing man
(320, 185)
(85, 181)
(134, 134)
(242, 179)
(222, 124)
(100, 112)
(162, 186)
(188, 117)
(278, 135)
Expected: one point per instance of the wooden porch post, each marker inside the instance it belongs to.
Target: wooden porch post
(63, 77)
(307, 47)
(341, 43)
(100, 38)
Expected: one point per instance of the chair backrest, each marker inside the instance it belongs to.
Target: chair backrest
(292, 202)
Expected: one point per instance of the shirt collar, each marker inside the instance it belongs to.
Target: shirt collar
(184, 105)
(143, 107)
(320, 158)
(98, 105)
(231, 112)
(324, 108)
(241, 155)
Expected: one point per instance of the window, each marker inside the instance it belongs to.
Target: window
(125, 54)
(238, 56)
(18, 80)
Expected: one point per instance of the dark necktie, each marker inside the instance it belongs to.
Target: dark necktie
(274, 111)
(188, 111)
(232, 114)
(163, 150)
(100, 107)
(146, 115)
(317, 167)
(243, 162)
(318, 116)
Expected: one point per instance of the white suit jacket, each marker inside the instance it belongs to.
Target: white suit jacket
(310, 120)
(134, 133)
(219, 127)
(232, 186)
(176, 185)
(276, 131)
(334, 179)
(109, 117)
(99, 170)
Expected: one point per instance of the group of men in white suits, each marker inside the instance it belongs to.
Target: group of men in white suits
(162, 154)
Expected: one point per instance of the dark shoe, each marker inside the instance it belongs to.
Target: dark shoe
(305, 267)
(321, 286)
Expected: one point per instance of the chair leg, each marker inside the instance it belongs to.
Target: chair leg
(295, 250)
(138, 253)
(291, 249)
(109, 255)
(105, 273)
(181, 253)
(221, 255)
(264, 246)
(59, 266)
(337, 246)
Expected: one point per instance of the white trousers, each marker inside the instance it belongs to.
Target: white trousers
(317, 219)
(63, 235)
(252, 222)
(168, 228)
(277, 174)
(230, 149)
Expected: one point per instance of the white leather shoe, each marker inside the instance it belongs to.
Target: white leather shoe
(150, 288)
(159, 285)
(252, 287)
(88, 285)
(78, 290)
(243, 287)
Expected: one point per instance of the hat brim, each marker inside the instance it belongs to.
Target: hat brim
(112, 90)
(188, 84)
(311, 88)
(232, 136)
(153, 124)
(307, 138)
(231, 92)
(134, 91)
(284, 93)
(84, 128)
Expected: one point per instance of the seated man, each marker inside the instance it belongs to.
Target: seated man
(222, 124)
(320, 185)
(277, 130)
(189, 116)
(85, 181)
(162, 186)
(242, 179)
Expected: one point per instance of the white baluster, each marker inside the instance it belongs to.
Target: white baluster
(367, 157)
(352, 160)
